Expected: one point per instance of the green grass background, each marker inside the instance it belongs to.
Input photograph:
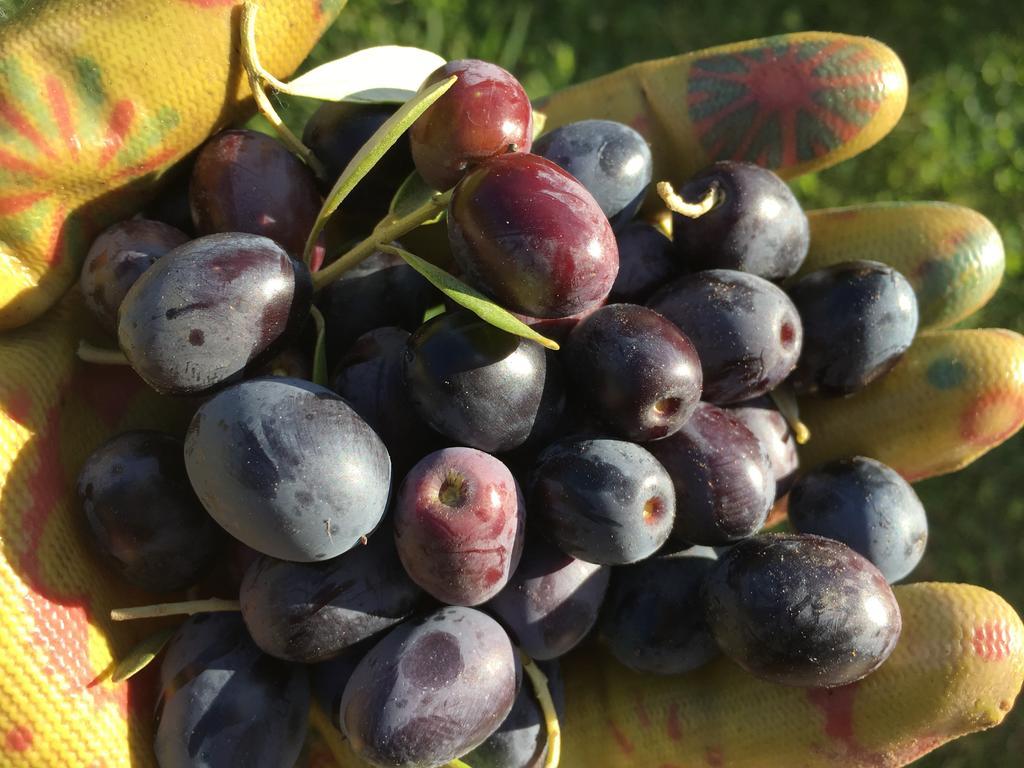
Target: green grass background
(961, 140)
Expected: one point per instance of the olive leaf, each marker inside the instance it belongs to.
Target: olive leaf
(413, 194)
(385, 74)
(320, 349)
(139, 657)
(372, 151)
(470, 298)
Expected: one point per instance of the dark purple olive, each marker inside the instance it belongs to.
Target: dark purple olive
(756, 226)
(308, 612)
(603, 501)
(762, 417)
(484, 114)
(380, 291)
(653, 617)
(646, 263)
(747, 332)
(867, 506)
(802, 610)
(431, 690)
(723, 481)
(224, 702)
(335, 133)
(246, 181)
(634, 370)
(481, 386)
(370, 377)
(144, 516)
(552, 600)
(530, 235)
(610, 159)
(288, 468)
(860, 317)
(210, 311)
(117, 258)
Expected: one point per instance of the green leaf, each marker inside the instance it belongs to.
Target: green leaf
(413, 194)
(320, 350)
(139, 657)
(372, 151)
(470, 298)
(385, 74)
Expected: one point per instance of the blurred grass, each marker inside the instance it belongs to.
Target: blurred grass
(961, 140)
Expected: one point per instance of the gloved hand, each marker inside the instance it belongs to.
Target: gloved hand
(960, 661)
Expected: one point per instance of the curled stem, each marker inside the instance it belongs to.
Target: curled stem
(547, 707)
(257, 76)
(385, 232)
(99, 355)
(681, 206)
(189, 607)
(785, 401)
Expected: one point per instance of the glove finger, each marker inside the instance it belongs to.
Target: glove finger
(96, 99)
(952, 256)
(55, 594)
(954, 396)
(795, 103)
(957, 668)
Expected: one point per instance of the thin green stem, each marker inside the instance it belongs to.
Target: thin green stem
(456, 763)
(174, 609)
(99, 355)
(257, 74)
(547, 708)
(385, 232)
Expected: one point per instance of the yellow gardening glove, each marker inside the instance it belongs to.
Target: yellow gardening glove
(960, 661)
(97, 98)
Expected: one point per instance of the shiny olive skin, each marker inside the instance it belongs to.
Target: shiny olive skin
(756, 226)
(603, 501)
(370, 378)
(867, 506)
(224, 702)
(459, 524)
(634, 370)
(860, 317)
(646, 263)
(746, 330)
(530, 235)
(762, 417)
(653, 617)
(723, 481)
(552, 600)
(610, 159)
(481, 386)
(143, 515)
(246, 181)
(288, 468)
(335, 133)
(802, 610)
(382, 290)
(431, 690)
(309, 612)
(117, 258)
(212, 310)
(484, 114)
